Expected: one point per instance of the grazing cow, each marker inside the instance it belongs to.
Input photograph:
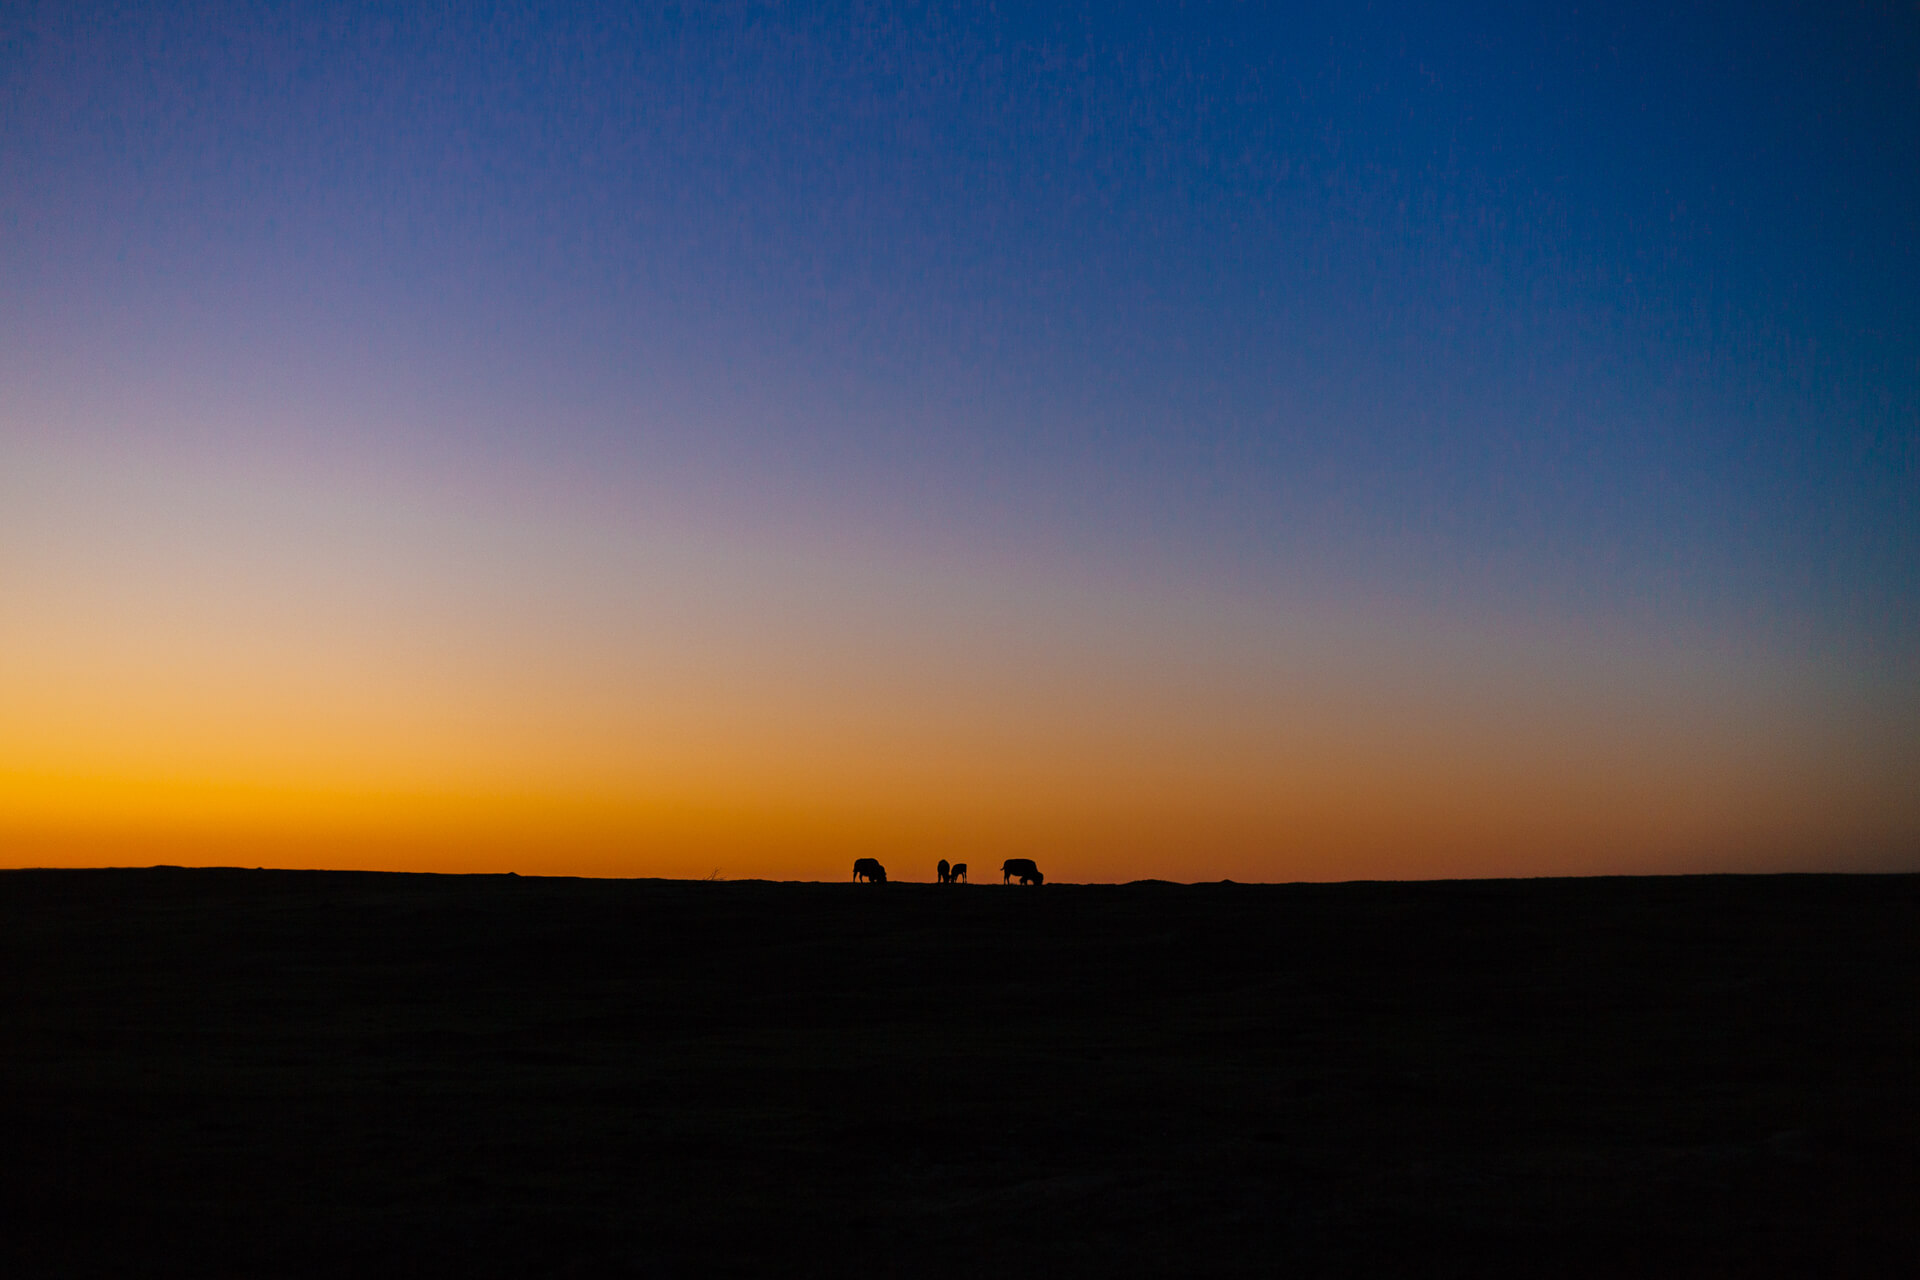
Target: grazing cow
(958, 873)
(945, 872)
(1022, 867)
(870, 870)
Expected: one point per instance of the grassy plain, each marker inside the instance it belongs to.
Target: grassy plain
(315, 1073)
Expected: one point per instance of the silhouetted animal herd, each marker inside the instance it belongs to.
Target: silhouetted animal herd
(1021, 869)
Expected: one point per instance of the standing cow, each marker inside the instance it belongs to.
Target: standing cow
(870, 870)
(958, 874)
(944, 872)
(1023, 868)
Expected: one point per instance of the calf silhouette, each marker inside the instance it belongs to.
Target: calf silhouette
(958, 873)
(870, 870)
(1022, 867)
(945, 872)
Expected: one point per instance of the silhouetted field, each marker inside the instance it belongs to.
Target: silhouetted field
(285, 1073)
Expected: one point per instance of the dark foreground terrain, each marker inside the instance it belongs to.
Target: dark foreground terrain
(281, 1073)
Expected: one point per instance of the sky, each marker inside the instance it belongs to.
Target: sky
(1178, 441)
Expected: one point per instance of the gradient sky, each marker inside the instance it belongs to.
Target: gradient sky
(1187, 442)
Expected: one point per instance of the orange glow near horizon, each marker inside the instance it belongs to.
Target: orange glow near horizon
(221, 673)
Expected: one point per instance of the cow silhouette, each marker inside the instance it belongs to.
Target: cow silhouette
(944, 871)
(958, 873)
(1022, 867)
(870, 870)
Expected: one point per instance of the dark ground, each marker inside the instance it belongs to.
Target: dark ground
(313, 1073)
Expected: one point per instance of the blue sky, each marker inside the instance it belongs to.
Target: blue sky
(1602, 319)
